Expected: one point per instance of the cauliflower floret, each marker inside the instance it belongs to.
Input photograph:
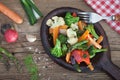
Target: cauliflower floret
(61, 21)
(55, 22)
(72, 36)
(74, 26)
(49, 22)
(72, 40)
(71, 33)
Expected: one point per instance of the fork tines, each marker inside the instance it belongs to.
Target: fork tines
(84, 16)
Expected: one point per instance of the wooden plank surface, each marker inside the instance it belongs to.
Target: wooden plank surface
(48, 70)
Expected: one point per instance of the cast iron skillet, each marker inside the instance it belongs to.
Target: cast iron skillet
(101, 60)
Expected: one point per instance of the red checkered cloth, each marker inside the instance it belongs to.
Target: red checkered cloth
(107, 8)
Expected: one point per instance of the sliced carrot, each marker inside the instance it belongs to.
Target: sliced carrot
(89, 43)
(50, 30)
(84, 36)
(63, 27)
(68, 57)
(100, 39)
(90, 66)
(94, 42)
(55, 34)
(80, 25)
(60, 27)
(84, 24)
(11, 14)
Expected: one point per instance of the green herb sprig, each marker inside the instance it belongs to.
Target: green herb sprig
(31, 67)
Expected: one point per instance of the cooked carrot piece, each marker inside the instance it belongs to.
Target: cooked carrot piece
(100, 39)
(60, 27)
(55, 34)
(84, 36)
(68, 57)
(63, 27)
(90, 66)
(94, 42)
(50, 30)
(80, 25)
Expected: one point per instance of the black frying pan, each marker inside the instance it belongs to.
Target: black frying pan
(101, 60)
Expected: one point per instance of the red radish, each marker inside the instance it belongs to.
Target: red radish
(11, 35)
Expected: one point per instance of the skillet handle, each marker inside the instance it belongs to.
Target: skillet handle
(111, 69)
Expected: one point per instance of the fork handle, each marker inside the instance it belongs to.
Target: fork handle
(117, 17)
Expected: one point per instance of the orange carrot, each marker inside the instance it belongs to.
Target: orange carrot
(100, 39)
(50, 30)
(60, 27)
(94, 42)
(68, 57)
(90, 66)
(84, 36)
(80, 25)
(84, 24)
(11, 14)
(63, 27)
(55, 34)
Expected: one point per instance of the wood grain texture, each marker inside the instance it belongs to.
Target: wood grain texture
(48, 70)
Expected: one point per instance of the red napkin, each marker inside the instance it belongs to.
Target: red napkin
(107, 8)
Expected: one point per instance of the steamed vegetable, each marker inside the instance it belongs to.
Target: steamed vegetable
(80, 45)
(77, 42)
(93, 51)
(57, 50)
(72, 36)
(11, 14)
(82, 56)
(55, 21)
(74, 63)
(84, 36)
(62, 38)
(93, 42)
(69, 19)
(91, 29)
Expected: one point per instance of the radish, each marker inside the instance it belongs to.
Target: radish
(9, 32)
(11, 35)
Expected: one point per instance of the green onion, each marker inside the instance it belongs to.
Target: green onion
(33, 13)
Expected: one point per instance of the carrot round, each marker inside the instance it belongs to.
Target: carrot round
(11, 14)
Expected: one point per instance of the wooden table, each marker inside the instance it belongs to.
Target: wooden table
(48, 70)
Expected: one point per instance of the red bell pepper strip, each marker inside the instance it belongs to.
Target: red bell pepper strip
(82, 56)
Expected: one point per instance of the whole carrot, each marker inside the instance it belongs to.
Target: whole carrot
(11, 14)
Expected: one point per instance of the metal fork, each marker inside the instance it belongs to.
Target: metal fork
(91, 17)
